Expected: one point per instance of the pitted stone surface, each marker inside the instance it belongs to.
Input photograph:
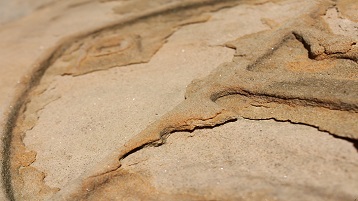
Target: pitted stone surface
(95, 99)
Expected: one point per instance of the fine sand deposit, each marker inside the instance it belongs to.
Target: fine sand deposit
(179, 100)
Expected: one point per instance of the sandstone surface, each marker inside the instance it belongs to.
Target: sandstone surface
(179, 100)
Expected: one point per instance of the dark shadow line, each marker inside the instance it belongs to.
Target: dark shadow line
(46, 62)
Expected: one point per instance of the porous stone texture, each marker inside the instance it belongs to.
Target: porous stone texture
(179, 100)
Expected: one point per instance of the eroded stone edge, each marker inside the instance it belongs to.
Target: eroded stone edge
(28, 83)
(198, 110)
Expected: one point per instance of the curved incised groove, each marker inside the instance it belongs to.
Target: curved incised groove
(251, 86)
(60, 51)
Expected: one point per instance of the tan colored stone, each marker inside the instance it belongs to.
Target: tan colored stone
(105, 86)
